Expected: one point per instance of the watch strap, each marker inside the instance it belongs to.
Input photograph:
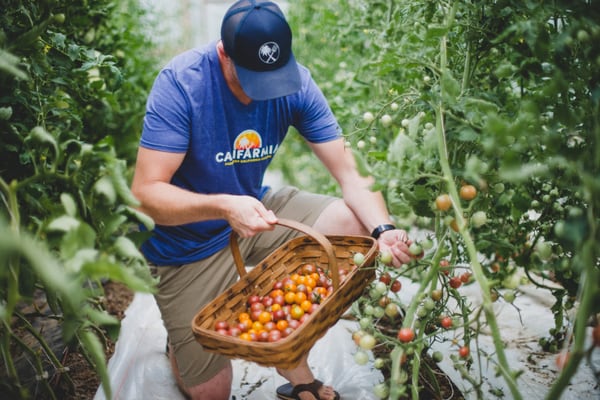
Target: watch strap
(380, 229)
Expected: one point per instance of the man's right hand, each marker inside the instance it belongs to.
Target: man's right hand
(248, 216)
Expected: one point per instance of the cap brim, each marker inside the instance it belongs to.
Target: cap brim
(270, 84)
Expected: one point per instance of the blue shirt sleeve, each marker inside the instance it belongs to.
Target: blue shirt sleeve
(315, 120)
(167, 119)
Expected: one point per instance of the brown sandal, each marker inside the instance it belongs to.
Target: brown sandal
(289, 392)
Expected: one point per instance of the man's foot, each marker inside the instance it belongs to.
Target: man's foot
(308, 391)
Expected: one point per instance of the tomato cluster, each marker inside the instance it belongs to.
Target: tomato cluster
(290, 302)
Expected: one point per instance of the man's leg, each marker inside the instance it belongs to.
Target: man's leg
(217, 388)
(182, 292)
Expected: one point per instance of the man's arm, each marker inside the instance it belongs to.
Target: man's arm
(168, 204)
(368, 206)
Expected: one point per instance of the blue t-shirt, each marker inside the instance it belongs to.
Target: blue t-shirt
(228, 145)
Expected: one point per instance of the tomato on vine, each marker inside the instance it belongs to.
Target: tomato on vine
(443, 202)
(467, 192)
(406, 335)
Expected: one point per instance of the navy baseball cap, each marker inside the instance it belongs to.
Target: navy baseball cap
(257, 37)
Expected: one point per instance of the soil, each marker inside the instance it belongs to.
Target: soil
(85, 381)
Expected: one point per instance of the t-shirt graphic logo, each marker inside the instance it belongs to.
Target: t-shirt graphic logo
(269, 53)
(248, 147)
(248, 139)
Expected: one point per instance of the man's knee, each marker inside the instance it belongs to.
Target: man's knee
(217, 387)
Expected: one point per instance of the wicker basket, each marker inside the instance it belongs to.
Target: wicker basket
(333, 253)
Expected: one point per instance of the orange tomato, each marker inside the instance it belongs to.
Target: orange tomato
(299, 297)
(290, 297)
(306, 305)
(289, 287)
(244, 317)
(282, 324)
(264, 317)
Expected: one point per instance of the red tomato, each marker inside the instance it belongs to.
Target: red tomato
(406, 335)
(278, 315)
(274, 335)
(596, 335)
(464, 351)
(253, 299)
(446, 322)
(455, 282)
(396, 286)
(465, 277)
(308, 269)
(385, 278)
(222, 325)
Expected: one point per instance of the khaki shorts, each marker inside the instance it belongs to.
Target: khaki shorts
(184, 290)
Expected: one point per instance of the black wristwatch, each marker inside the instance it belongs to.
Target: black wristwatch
(380, 229)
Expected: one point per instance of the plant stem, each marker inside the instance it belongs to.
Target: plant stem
(469, 244)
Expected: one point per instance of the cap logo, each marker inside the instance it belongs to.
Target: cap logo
(269, 53)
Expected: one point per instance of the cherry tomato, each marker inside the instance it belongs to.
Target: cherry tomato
(596, 335)
(385, 278)
(222, 325)
(455, 282)
(367, 342)
(467, 192)
(464, 351)
(406, 335)
(446, 322)
(443, 202)
(296, 312)
(436, 295)
(396, 286)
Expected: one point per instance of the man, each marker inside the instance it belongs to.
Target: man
(215, 118)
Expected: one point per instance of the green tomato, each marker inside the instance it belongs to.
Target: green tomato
(365, 322)
(361, 357)
(391, 310)
(415, 249)
(385, 257)
(426, 244)
(543, 250)
(379, 363)
(368, 117)
(381, 391)
(479, 218)
(386, 120)
(437, 356)
(378, 312)
(359, 259)
(367, 342)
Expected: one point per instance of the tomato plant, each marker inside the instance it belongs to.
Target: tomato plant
(502, 95)
(72, 82)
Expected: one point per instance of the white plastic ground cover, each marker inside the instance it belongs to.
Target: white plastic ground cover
(139, 368)
(521, 325)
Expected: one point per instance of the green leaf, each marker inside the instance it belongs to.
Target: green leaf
(127, 249)
(93, 347)
(104, 187)
(69, 204)
(63, 223)
(143, 218)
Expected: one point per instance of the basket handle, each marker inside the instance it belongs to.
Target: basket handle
(320, 238)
